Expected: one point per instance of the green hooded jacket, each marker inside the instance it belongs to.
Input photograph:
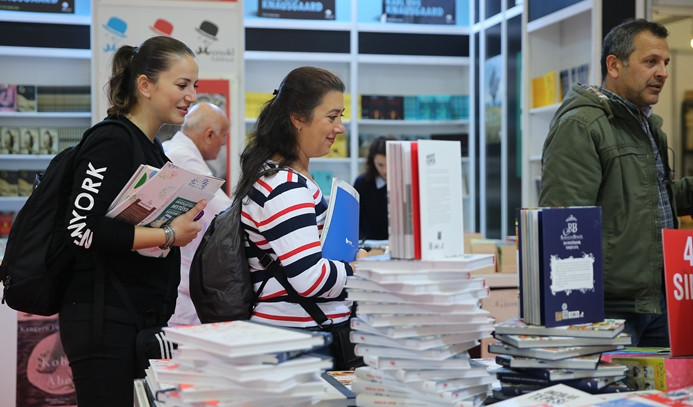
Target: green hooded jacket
(596, 153)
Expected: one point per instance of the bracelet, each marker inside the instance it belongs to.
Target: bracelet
(170, 234)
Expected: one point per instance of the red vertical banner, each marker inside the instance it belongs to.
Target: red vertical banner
(44, 377)
(678, 274)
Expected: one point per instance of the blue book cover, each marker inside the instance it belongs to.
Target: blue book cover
(340, 235)
(572, 286)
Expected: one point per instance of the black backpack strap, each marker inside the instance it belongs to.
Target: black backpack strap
(275, 270)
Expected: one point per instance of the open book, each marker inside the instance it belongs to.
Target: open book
(153, 197)
(340, 235)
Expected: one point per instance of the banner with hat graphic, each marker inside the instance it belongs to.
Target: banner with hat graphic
(214, 30)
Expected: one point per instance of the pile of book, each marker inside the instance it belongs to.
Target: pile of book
(535, 356)
(240, 363)
(415, 324)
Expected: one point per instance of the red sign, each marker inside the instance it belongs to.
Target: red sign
(678, 274)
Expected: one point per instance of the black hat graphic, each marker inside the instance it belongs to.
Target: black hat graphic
(208, 29)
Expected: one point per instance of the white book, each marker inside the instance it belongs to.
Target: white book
(427, 298)
(403, 390)
(420, 330)
(538, 341)
(162, 196)
(374, 308)
(417, 343)
(557, 395)
(417, 287)
(440, 199)
(459, 361)
(241, 338)
(242, 373)
(392, 270)
(437, 354)
(418, 375)
(381, 320)
(438, 385)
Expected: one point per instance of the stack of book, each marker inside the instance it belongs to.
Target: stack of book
(415, 324)
(240, 363)
(535, 356)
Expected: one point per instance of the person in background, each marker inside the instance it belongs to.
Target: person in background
(605, 147)
(283, 210)
(372, 189)
(150, 85)
(204, 132)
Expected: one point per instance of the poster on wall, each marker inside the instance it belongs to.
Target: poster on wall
(212, 29)
(62, 6)
(419, 11)
(298, 9)
(44, 377)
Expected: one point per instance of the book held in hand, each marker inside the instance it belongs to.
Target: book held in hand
(340, 235)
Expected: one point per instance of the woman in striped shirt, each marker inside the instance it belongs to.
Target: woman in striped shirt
(283, 210)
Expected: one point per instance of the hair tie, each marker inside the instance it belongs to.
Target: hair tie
(275, 92)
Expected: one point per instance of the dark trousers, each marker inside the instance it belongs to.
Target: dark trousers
(646, 330)
(103, 375)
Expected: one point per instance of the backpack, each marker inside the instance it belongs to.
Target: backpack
(221, 286)
(38, 256)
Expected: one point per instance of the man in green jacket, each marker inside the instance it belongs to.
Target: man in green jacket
(606, 148)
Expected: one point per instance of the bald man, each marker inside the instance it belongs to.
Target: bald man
(203, 133)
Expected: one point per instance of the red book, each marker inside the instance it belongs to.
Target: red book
(415, 207)
(678, 275)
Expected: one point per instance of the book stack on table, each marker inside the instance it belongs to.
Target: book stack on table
(240, 363)
(535, 357)
(416, 321)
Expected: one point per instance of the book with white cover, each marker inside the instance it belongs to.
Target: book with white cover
(393, 390)
(426, 298)
(374, 308)
(437, 354)
(381, 320)
(239, 338)
(534, 341)
(416, 287)
(459, 361)
(420, 330)
(608, 328)
(578, 362)
(550, 353)
(557, 395)
(394, 270)
(475, 369)
(416, 343)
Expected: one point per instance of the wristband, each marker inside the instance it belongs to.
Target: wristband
(170, 234)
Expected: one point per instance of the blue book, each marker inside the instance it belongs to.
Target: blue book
(561, 266)
(340, 235)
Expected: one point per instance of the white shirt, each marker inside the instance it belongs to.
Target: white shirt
(183, 152)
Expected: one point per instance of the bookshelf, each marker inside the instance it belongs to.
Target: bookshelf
(559, 36)
(44, 43)
(372, 58)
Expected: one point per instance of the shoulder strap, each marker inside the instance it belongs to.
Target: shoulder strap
(275, 270)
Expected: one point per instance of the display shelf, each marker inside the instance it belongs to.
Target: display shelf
(12, 203)
(560, 40)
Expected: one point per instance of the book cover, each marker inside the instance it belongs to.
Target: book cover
(550, 353)
(28, 140)
(340, 235)
(9, 140)
(397, 332)
(8, 98)
(556, 395)
(440, 199)
(26, 98)
(415, 204)
(561, 265)
(48, 140)
(435, 354)
(660, 372)
(677, 246)
(534, 341)
(427, 298)
(382, 320)
(604, 369)
(476, 369)
(238, 338)
(607, 328)
(9, 183)
(155, 200)
(375, 308)
(337, 392)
